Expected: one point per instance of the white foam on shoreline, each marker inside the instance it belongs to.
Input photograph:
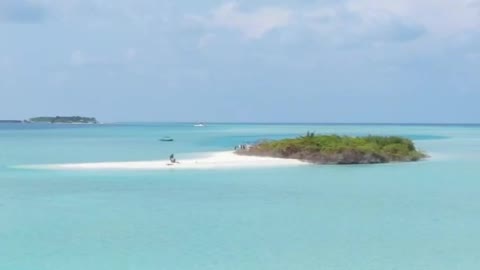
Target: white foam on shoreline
(217, 160)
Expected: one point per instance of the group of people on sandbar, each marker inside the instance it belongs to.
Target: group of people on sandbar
(242, 147)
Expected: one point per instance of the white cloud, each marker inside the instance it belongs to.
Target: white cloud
(350, 20)
(439, 17)
(371, 21)
(343, 25)
(253, 24)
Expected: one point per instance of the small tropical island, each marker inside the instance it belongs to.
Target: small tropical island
(64, 120)
(334, 149)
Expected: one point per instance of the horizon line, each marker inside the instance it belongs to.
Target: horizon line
(277, 122)
(293, 123)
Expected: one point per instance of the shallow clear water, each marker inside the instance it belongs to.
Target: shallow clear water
(396, 216)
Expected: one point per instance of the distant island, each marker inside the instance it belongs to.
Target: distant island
(11, 121)
(334, 149)
(64, 120)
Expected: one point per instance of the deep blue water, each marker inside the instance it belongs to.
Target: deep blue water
(395, 216)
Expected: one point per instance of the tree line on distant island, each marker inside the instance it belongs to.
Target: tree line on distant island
(64, 120)
(55, 120)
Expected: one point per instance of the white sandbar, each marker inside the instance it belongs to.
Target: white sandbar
(216, 160)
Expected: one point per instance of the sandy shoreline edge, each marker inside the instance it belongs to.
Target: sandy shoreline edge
(216, 160)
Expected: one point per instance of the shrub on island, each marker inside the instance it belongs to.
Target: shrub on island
(334, 149)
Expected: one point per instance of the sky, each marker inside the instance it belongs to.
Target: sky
(406, 61)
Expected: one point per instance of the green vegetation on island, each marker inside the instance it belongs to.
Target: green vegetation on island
(64, 120)
(334, 149)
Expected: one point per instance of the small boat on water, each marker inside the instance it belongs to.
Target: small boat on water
(199, 125)
(166, 139)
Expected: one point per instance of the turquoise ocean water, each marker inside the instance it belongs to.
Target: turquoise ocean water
(397, 216)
